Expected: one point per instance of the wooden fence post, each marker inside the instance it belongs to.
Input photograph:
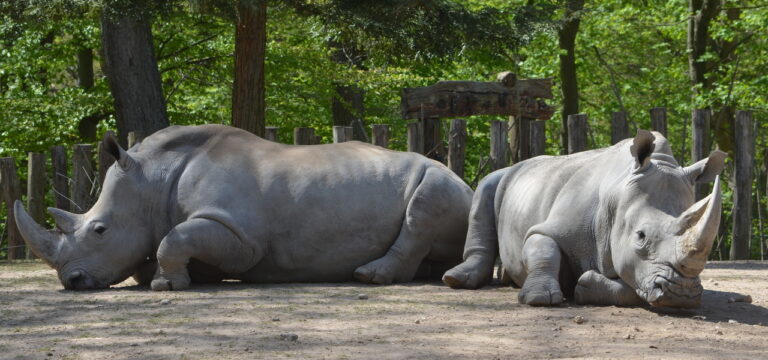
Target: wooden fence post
(135, 137)
(82, 178)
(457, 138)
(577, 133)
(380, 135)
(619, 127)
(11, 192)
(342, 134)
(742, 193)
(415, 137)
(105, 160)
(659, 120)
(525, 138)
(303, 136)
(270, 133)
(60, 177)
(538, 138)
(433, 139)
(36, 181)
(498, 145)
(700, 145)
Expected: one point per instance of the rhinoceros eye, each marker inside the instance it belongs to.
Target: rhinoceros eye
(640, 234)
(99, 229)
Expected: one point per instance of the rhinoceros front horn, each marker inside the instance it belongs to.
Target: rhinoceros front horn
(698, 227)
(42, 242)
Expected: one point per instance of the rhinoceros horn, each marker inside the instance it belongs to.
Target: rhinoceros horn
(697, 228)
(43, 243)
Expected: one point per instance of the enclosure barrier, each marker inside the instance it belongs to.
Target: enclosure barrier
(78, 192)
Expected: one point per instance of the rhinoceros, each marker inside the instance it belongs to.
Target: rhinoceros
(213, 202)
(613, 226)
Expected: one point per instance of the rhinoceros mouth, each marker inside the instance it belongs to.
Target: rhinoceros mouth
(79, 279)
(671, 289)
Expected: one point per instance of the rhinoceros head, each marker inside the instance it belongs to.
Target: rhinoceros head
(661, 237)
(103, 246)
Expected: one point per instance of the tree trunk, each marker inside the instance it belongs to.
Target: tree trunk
(347, 104)
(567, 44)
(702, 12)
(85, 68)
(248, 102)
(134, 80)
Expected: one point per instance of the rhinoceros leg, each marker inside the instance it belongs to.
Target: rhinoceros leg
(595, 289)
(434, 223)
(146, 272)
(482, 244)
(203, 239)
(541, 258)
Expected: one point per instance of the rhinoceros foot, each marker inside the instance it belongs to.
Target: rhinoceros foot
(164, 284)
(381, 271)
(540, 291)
(471, 274)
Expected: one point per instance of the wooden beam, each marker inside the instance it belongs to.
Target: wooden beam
(465, 98)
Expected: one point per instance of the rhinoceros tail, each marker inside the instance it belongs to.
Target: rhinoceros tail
(481, 247)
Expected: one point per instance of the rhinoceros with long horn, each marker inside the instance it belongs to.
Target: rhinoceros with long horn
(613, 226)
(213, 202)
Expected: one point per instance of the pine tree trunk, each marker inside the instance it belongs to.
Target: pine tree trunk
(248, 101)
(567, 43)
(134, 79)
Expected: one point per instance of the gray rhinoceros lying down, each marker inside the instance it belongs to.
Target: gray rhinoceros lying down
(246, 208)
(614, 226)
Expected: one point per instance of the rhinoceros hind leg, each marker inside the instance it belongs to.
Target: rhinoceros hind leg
(595, 289)
(473, 273)
(541, 257)
(206, 240)
(435, 223)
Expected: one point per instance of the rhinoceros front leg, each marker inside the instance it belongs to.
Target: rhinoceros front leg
(203, 239)
(595, 289)
(541, 258)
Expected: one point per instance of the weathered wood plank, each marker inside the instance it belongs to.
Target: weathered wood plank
(434, 148)
(659, 120)
(742, 193)
(577, 133)
(499, 146)
(457, 138)
(538, 138)
(416, 137)
(700, 145)
(36, 181)
(270, 133)
(465, 98)
(303, 136)
(342, 134)
(83, 181)
(60, 177)
(11, 191)
(619, 127)
(380, 135)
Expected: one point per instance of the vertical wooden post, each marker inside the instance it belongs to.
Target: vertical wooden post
(342, 134)
(317, 140)
(700, 145)
(498, 145)
(380, 135)
(36, 190)
(433, 139)
(457, 138)
(60, 177)
(135, 137)
(105, 160)
(577, 133)
(82, 178)
(659, 120)
(303, 136)
(11, 189)
(270, 133)
(742, 193)
(525, 138)
(415, 137)
(619, 127)
(538, 138)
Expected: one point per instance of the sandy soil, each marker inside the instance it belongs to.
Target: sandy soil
(39, 320)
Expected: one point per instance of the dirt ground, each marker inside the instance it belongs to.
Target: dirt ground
(39, 320)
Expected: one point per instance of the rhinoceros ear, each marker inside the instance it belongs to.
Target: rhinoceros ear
(642, 148)
(110, 144)
(707, 170)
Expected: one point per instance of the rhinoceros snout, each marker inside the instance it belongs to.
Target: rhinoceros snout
(677, 291)
(79, 280)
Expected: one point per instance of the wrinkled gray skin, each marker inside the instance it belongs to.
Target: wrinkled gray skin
(216, 202)
(614, 226)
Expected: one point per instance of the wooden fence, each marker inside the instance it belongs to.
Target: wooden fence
(77, 193)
